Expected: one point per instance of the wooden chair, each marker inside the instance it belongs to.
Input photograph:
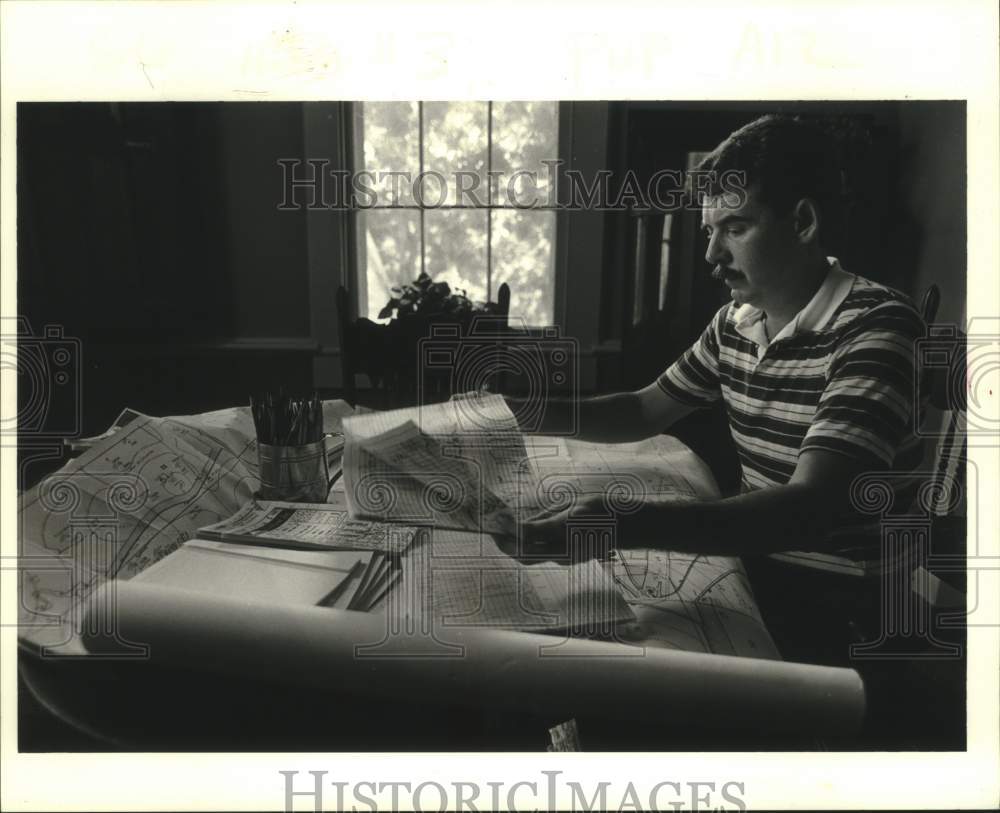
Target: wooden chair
(870, 564)
(503, 301)
(364, 350)
(929, 304)
(501, 327)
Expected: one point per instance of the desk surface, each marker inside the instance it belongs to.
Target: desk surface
(89, 694)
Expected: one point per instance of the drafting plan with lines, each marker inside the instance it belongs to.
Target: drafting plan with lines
(465, 580)
(681, 601)
(146, 487)
(393, 461)
(455, 465)
(137, 494)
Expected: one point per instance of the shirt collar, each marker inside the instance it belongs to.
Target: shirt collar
(815, 315)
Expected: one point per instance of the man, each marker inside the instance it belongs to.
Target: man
(814, 364)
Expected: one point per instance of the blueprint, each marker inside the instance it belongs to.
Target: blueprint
(143, 490)
(682, 601)
(455, 464)
(692, 602)
(133, 497)
(464, 580)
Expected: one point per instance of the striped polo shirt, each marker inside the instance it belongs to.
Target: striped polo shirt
(840, 377)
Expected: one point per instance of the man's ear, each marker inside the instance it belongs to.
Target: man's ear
(805, 220)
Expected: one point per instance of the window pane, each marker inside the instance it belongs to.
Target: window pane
(523, 257)
(390, 135)
(456, 249)
(524, 134)
(455, 141)
(389, 254)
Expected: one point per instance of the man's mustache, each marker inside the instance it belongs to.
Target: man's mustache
(719, 272)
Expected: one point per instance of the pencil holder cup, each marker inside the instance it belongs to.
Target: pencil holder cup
(293, 473)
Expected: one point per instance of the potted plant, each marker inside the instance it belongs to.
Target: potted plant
(430, 302)
(388, 353)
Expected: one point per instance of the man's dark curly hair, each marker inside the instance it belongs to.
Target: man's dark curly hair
(787, 158)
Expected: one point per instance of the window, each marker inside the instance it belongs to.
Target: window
(452, 184)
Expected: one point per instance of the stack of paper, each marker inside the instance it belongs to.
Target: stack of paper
(460, 464)
(322, 527)
(265, 575)
(342, 579)
(307, 526)
(464, 465)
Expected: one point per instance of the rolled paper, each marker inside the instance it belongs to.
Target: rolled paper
(372, 653)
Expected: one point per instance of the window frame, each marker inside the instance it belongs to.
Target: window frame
(356, 252)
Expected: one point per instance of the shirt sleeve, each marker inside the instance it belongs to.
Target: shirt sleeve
(694, 378)
(867, 408)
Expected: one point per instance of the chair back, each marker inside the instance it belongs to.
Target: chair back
(503, 301)
(929, 304)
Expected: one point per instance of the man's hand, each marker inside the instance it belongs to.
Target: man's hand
(548, 535)
(796, 516)
(482, 392)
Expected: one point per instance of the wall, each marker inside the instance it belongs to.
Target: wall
(266, 247)
(583, 241)
(150, 233)
(933, 141)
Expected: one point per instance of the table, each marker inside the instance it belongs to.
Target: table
(162, 705)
